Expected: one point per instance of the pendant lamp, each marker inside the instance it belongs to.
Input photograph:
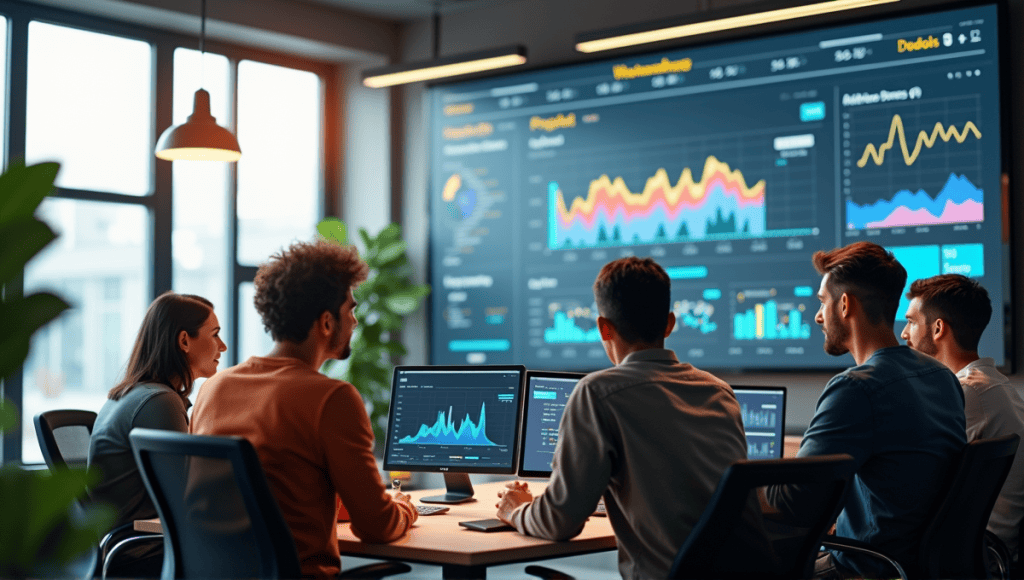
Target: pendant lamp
(199, 138)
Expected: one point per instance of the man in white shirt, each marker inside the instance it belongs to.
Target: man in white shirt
(945, 319)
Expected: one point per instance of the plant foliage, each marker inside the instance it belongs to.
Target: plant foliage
(384, 300)
(42, 530)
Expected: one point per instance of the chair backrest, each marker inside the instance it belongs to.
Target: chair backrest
(63, 436)
(219, 516)
(953, 542)
(720, 547)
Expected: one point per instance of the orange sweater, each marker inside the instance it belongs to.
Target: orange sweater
(314, 440)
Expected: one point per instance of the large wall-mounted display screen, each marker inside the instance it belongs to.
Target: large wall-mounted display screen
(730, 164)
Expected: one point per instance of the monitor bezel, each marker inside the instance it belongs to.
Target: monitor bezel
(511, 470)
(782, 415)
(522, 471)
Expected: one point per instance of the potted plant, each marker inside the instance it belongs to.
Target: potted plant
(387, 297)
(41, 534)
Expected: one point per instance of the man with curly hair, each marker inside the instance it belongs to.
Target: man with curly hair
(311, 432)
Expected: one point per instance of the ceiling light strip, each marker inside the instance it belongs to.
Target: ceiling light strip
(720, 24)
(449, 67)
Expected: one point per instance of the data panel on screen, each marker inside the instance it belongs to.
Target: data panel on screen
(459, 419)
(730, 164)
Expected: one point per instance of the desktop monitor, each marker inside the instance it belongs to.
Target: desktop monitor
(546, 394)
(456, 420)
(764, 420)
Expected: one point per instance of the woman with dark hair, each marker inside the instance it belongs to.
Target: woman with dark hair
(177, 343)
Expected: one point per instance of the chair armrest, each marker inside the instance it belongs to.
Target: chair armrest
(548, 573)
(378, 570)
(856, 546)
(999, 553)
(121, 531)
(121, 547)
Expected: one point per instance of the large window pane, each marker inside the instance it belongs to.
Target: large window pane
(100, 265)
(199, 241)
(254, 338)
(90, 107)
(279, 176)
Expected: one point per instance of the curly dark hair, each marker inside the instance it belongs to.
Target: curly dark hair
(302, 281)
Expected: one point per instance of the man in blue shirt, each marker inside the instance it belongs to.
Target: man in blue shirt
(898, 412)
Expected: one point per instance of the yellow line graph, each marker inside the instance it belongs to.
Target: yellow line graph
(923, 139)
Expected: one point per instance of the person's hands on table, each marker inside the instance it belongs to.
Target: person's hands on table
(516, 494)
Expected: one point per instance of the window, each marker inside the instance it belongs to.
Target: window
(99, 265)
(200, 190)
(93, 103)
(279, 175)
(90, 108)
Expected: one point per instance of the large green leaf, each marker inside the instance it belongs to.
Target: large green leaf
(8, 415)
(19, 319)
(21, 239)
(333, 230)
(23, 188)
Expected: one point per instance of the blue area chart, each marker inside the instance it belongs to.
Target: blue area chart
(443, 431)
(959, 201)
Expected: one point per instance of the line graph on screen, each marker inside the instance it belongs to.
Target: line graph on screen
(719, 204)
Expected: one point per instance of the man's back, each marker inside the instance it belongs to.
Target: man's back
(313, 438)
(900, 415)
(653, 436)
(994, 408)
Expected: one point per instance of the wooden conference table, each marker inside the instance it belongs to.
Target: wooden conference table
(464, 553)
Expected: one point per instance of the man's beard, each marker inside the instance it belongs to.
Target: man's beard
(341, 353)
(837, 335)
(926, 346)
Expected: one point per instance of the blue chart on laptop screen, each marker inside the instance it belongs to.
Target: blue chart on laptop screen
(454, 418)
(764, 413)
(545, 404)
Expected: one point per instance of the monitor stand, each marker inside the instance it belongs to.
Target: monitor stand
(459, 489)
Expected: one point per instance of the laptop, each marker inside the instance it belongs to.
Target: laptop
(764, 419)
(546, 394)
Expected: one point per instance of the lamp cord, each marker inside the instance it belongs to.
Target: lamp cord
(202, 44)
(437, 28)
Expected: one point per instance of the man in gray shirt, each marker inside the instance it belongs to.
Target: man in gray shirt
(652, 435)
(945, 319)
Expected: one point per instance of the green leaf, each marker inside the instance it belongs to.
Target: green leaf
(8, 415)
(403, 304)
(20, 318)
(333, 230)
(393, 251)
(21, 239)
(23, 188)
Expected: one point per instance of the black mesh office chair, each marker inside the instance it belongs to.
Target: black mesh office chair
(219, 517)
(953, 542)
(721, 546)
(63, 436)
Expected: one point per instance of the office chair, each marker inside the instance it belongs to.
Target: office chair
(953, 542)
(719, 545)
(63, 436)
(219, 516)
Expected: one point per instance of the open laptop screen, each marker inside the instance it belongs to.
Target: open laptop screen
(764, 420)
(546, 394)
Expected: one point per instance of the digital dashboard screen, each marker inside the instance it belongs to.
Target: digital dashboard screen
(730, 164)
(457, 419)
